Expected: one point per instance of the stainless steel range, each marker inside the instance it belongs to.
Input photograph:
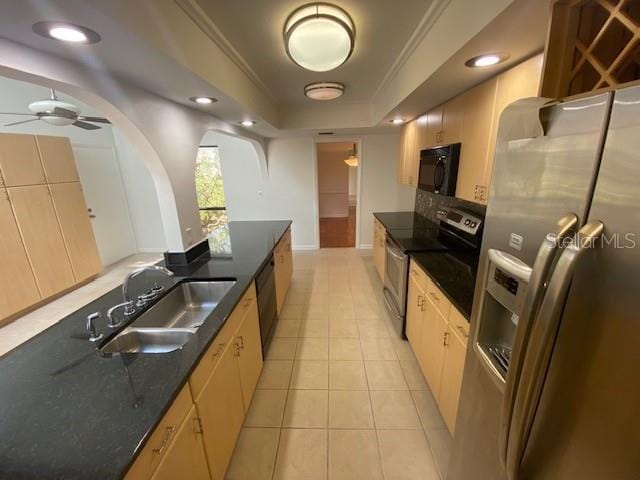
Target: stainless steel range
(457, 230)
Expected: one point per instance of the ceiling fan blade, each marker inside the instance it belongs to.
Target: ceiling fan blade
(94, 119)
(63, 112)
(85, 125)
(14, 113)
(21, 122)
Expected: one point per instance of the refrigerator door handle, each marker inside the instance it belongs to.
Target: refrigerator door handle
(547, 253)
(540, 345)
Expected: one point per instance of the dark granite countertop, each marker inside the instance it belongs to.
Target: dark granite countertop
(67, 412)
(403, 220)
(454, 273)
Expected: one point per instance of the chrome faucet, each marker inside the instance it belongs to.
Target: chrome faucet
(94, 336)
(128, 303)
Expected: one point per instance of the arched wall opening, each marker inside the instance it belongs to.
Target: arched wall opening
(118, 188)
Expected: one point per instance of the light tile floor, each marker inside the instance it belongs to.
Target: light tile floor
(341, 396)
(29, 325)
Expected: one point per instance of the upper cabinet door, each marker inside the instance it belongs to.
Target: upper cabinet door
(452, 118)
(40, 231)
(19, 160)
(18, 288)
(57, 159)
(476, 130)
(434, 127)
(76, 229)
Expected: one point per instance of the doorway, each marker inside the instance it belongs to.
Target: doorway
(338, 164)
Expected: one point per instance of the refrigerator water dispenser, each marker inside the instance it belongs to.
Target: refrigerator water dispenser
(505, 289)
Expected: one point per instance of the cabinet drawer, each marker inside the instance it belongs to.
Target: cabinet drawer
(164, 433)
(418, 274)
(210, 359)
(438, 299)
(459, 324)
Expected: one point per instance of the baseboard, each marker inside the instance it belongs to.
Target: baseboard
(304, 247)
(366, 246)
(152, 250)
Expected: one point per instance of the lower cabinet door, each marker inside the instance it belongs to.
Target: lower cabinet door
(452, 369)
(415, 302)
(221, 411)
(433, 339)
(250, 359)
(185, 456)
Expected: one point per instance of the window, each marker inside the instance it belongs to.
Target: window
(210, 192)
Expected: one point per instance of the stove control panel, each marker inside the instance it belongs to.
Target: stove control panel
(461, 220)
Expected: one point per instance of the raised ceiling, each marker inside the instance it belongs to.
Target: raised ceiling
(254, 29)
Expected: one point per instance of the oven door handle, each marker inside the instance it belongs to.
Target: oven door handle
(393, 251)
(386, 294)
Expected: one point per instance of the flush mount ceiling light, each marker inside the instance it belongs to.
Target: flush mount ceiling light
(319, 37)
(397, 121)
(352, 159)
(66, 32)
(247, 123)
(203, 100)
(324, 90)
(486, 60)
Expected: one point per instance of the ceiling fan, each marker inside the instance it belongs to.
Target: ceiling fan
(59, 113)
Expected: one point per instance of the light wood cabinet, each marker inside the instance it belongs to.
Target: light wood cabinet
(38, 224)
(157, 446)
(453, 115)
(476, 132)
(221, 411)
(409, 156)
(521, 81)
(57, 159)
(437, 333)
(283, 258)
(434, 126)
(77, 232)
(19, 160)
(379, 249)
(433, 342)
(415, 315)
(455, 349)
(185, 457)
(250, 353)
(18, 289)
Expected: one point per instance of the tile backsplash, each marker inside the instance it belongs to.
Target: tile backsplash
(427, 204)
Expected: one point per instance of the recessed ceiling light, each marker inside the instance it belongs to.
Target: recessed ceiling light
(203, 100)
(397, 121)
(66, 32)
(247, 123)
(319, 37)
(324, 90)
(486, 60)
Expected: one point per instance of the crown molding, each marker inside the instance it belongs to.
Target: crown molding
(428, 20)
(211, 30)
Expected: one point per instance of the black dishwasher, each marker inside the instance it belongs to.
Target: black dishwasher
(267, 307)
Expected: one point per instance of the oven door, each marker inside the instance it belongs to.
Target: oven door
(395, 282)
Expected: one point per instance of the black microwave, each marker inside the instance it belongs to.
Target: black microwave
(439, 169)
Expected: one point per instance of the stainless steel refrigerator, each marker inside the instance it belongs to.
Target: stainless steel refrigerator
(551, 386)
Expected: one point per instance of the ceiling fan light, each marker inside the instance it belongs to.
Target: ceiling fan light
(324, 90)
(57, 120)
(319, 37)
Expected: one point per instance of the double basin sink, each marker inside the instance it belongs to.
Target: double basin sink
(172, 321)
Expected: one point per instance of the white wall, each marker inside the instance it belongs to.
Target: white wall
(289, 191)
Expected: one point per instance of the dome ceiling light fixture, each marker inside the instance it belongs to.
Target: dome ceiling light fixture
(352, 159)
(319, 37)
(486, 60)
(324, 90)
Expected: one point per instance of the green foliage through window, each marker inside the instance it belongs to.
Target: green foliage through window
(210, 190)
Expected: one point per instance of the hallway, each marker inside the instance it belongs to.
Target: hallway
(338, 231)
(341, 396)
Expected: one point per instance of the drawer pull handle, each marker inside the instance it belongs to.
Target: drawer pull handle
(463, 332)
(165, 442)
(247, 302)
(434, 296)
(420, 301)
(445, 339)
(218, 350)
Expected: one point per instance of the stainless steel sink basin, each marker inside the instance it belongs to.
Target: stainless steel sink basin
(148, 340)
(169, 324)
(186, 306)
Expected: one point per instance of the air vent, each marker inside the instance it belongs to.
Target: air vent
(325, 133)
